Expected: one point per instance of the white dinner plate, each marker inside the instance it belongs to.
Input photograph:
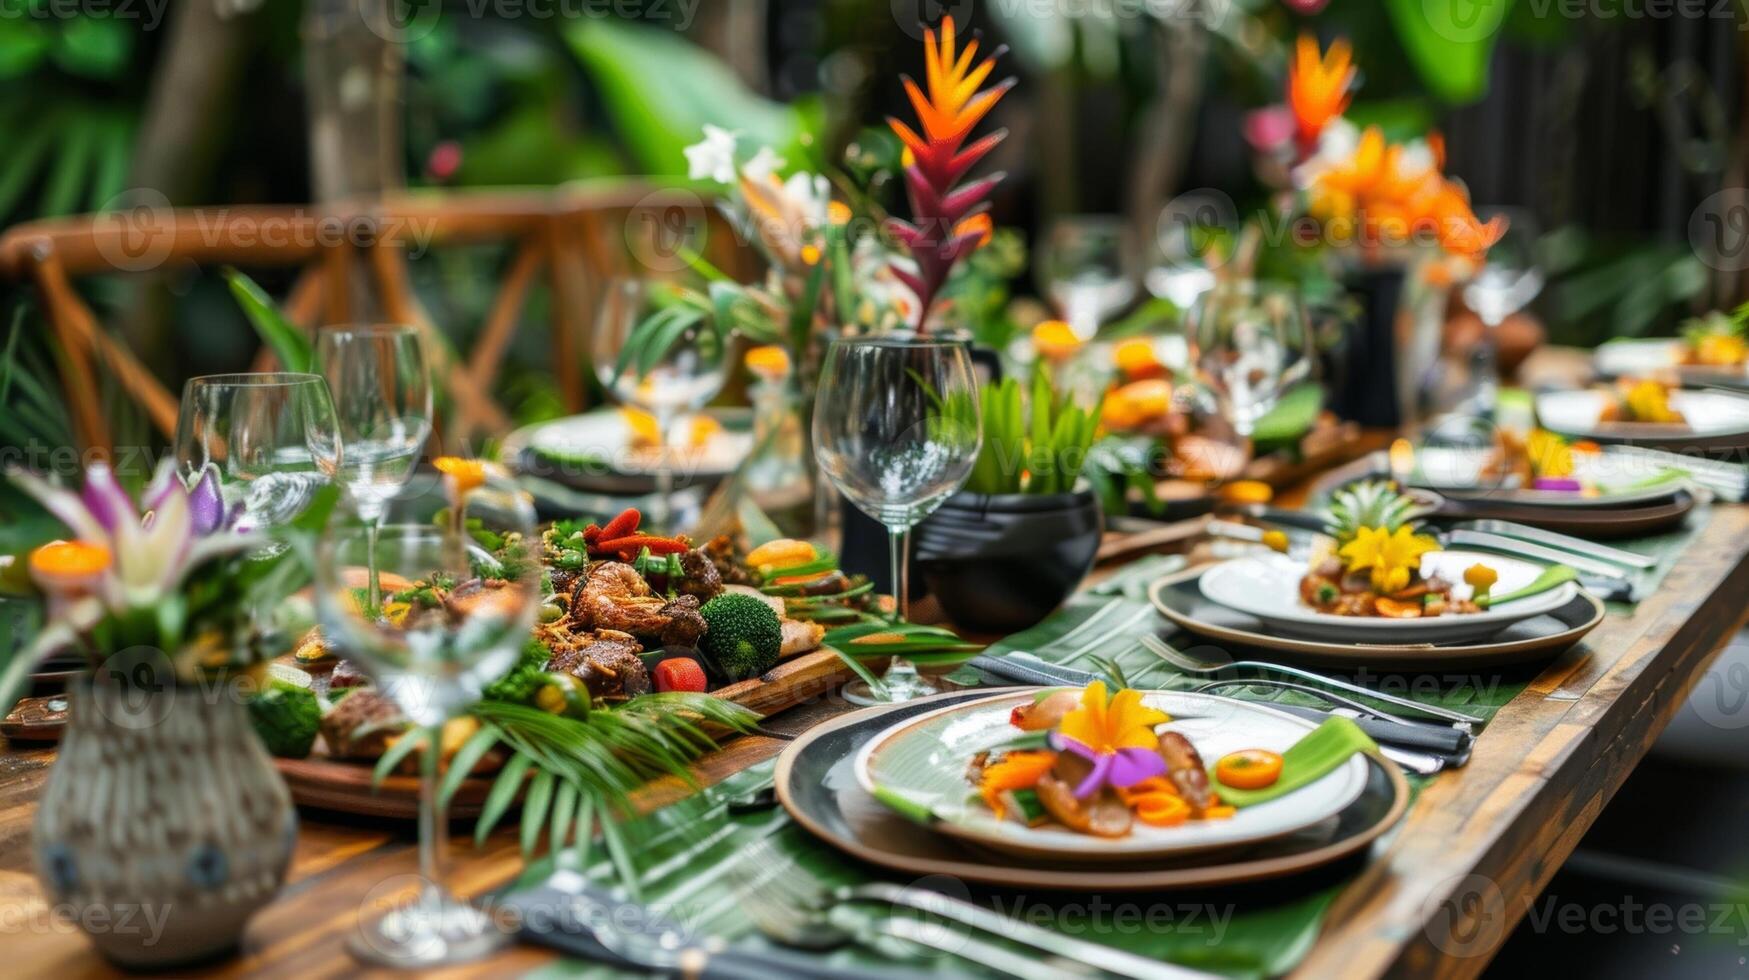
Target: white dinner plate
(1618, 480)
(1661, 357)
(1268, 587)
(922, 762)
(1714, 419)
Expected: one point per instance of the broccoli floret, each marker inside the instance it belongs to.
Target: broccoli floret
(286, 718)
(743, 636)
(520, 682)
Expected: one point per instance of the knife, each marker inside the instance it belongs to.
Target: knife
(1565, 542)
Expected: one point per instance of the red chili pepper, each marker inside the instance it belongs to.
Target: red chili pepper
(628, 547)
(626, 523)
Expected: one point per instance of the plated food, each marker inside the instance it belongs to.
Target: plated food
(623, 613)
(1099, 775)
(1375, 574)
(817, 785)
(617, 449)
(1711, 350)
(1648, 414)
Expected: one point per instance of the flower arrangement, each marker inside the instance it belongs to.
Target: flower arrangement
(1362, 189)
(948, 219)
(177, 569)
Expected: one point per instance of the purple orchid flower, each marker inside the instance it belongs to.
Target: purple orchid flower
(1121, 769)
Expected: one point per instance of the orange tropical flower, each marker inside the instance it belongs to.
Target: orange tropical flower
(1054, 341)
(948, 220)
(1319, 87)
(769, 361)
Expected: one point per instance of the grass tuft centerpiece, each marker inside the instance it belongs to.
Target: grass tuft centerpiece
(1003, 552)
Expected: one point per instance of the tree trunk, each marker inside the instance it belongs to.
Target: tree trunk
(190, 100)
(734, 30)
(1157, 165)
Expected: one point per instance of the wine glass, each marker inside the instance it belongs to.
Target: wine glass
(1086, 267)
(685, 374)
(1249, 343)
(382, 395)
(1509, 279)
(1190, 237)
(271, 439)
(896, 431)
(456, 615)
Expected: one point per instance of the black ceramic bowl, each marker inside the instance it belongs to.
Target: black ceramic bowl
(1001, 563)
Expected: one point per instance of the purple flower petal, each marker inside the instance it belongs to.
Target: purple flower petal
(1131, 766)
(104, 498)
(1096, 779)
(164, 482)
(206, 504)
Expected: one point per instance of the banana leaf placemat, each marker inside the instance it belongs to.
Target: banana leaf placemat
(700, 853)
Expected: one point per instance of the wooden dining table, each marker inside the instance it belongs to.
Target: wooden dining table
(1438, 897)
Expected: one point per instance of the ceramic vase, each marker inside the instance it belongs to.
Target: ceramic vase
(164, 825)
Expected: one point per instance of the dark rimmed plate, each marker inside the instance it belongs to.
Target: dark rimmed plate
(1597, 523)
(816, 783)
(1179, 598)
(590, 452)
(1717, 420)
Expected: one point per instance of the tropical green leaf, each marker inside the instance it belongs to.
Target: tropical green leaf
(401, 748)
(534, 809)
(289, 344)
(504, 792)
(1450, 42)
(461, 765)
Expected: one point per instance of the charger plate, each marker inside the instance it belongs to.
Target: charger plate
(1716, 420)
(816, 783)
(1180, 599)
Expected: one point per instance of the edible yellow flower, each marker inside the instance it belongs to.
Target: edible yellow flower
(1393, 556)
(769, 361)
(1480, 578)
(461, 474)
(1123, 723)
(1550, 455)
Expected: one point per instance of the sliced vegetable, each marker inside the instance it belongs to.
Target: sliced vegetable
(1249, 769)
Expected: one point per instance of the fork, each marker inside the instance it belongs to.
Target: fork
(1185, 663)
(788, 906)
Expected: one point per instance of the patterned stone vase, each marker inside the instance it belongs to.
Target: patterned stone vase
(164, 825)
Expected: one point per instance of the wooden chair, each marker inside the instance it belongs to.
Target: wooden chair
(355, 259)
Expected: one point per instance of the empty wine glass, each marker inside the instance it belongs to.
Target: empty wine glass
(455, 616)
(1509, 279)
(271, 439)
(682, 376)
(896, 431)
(1086, 267)
(382, 398)
(1249, 344)
(1191, 239)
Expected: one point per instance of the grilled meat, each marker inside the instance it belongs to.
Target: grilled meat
(347, 674)
(800, 637)
(724, 554)
(606, 661)
(362, 725)
(616, 597)
(1188, 773)
(699, 577)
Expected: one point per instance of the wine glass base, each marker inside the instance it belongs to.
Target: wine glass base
(432, 930)
(897, 689)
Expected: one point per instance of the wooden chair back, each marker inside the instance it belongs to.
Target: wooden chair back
(354, 260)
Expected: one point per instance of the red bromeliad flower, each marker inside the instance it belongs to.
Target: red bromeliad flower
(947, 222)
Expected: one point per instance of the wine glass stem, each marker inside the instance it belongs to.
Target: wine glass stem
(374, 581)
(433, 828)
(662, 511)
(900, 567)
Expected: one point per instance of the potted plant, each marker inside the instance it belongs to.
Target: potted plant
(162, 808)
(1008, 548)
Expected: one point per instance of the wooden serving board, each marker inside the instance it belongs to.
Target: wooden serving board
(346, 785)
